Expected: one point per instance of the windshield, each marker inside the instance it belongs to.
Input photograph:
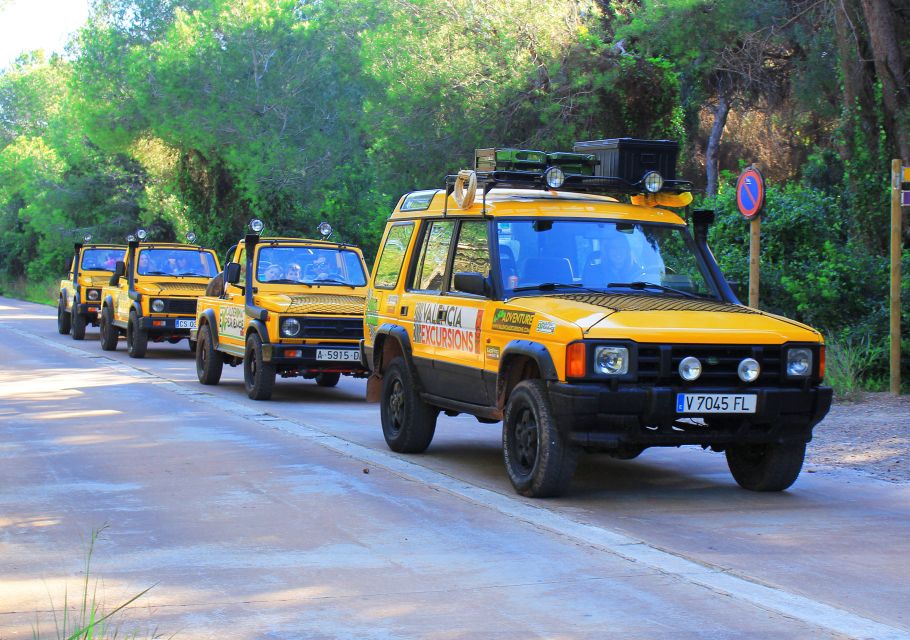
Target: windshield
(310, 265)
(543, 254)
(100, 259)
(176, 262)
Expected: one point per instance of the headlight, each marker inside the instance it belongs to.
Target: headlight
(653, 182)
(690, 368)
(290, 327)
(93, 294)
(748, 370)
(611, 361)
(158, 306)
(554, 177)
(799, 363)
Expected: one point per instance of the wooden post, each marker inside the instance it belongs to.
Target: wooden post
(754, 259)
(895, 330)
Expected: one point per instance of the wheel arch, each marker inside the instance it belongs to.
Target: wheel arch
(522, 360)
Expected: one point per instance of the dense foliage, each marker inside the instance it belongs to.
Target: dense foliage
(183, 115)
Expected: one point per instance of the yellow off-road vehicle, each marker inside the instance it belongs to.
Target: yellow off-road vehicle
(289, 307)
(152, 294)
(80, 292)
(534, 296)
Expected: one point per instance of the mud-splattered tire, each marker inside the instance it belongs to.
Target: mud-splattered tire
(137, 340)
(258, 376)
(63, 319)
(766, 467)
(408, 423)
(209, 363)
(539, 462)
(109, 333)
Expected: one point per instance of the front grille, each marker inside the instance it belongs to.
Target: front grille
(331, 328)
(660, 363)
(174, 305)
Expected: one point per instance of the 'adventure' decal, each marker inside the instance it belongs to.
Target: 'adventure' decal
(448, 326)
(513, 321)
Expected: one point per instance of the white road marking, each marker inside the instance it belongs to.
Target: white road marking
(714, 578)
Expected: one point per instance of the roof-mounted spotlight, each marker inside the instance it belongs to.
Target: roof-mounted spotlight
(87, 238)
(256, 225)
(325, 230)
(131, 238)
(141, 234)
(554, 177)
(653, 181)
(191, 237)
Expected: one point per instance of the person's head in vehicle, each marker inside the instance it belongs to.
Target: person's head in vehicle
(293, 272)
(613, 262)
(274, 272)
(144, 263)
(183, 262)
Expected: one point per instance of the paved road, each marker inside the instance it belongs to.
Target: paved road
(291, 519)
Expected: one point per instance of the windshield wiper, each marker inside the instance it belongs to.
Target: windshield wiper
(192, 274)
(333, 281)
(639, 285)
(285, 281)
(548, 286)
(154, 273)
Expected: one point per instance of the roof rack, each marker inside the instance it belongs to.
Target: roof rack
(601, 185)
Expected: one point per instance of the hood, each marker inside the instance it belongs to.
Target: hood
(182, 288)
(93, 280)
(321, 303)
(649, 318)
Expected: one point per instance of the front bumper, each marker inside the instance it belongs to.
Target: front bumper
(89, 309)
(601, 416)
(306, 357)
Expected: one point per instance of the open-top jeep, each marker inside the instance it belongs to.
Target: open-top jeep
(80, 292)
(152, 294)
(289, 307)
(529, 293)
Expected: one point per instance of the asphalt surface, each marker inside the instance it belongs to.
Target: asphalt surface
(291, 519)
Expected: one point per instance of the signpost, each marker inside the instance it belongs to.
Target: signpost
(899, 197)
(750, 199)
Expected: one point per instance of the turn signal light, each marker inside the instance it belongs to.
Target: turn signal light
(821, 362)
(575, 360)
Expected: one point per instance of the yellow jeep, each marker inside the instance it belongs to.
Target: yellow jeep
(80, 292)
(289, 307)
(152, 294)
(535, 297)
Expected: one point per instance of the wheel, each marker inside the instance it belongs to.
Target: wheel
(327, 379)
(209, 362)
(539, 462)
(137, 340)
(258, 376)
(192, 345)
(109, 333)
(766, 467)
(63, 319)
(78, 324)
(408, 423)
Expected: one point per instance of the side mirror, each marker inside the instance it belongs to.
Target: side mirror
(232, 272)
(119, 270)
(472, 282)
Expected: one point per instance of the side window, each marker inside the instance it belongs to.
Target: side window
(242, 259)
(434, 252)
(472, 253)
(392, 257)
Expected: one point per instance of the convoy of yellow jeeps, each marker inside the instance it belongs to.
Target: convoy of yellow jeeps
(553, 292)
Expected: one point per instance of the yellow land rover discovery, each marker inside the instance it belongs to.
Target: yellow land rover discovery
(534, 296)
(152, 294)
(80, 292)
(287, 306)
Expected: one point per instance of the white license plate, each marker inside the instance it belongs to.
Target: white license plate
(186, 324)
(344, 355)
(715, 403)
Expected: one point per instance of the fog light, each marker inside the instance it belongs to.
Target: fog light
(290, 327)
(654, 182)
(690, 368)
(554, 177)
(799, 363)
(158, 323)
(93, 294)
(612, 361)
(293, 353)
(748, 370)
(158, 306)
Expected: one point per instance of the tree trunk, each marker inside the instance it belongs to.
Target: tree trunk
(721, 110)
(859, 78)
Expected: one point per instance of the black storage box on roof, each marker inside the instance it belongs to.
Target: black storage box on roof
(630, 158)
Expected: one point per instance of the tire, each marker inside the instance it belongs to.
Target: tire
(539, 462)
(327, 379)
(408, 423)
(192, 345)
(258, 376)
(137, 340)
(209, 362)
(78, 324)
(109, 333)
(63, 319)
(766, 467)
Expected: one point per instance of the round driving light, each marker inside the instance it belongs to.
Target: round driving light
(799, 362)
(748, 370)
(141, 234)
(554, 177)
(653, 182)
(87, 238)
(256, 225)
(325, 229)
(131, 238)
(612, 361)
(190, 237)
(690, 368)
(290, 327)
(157, 306)
(93, 294)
